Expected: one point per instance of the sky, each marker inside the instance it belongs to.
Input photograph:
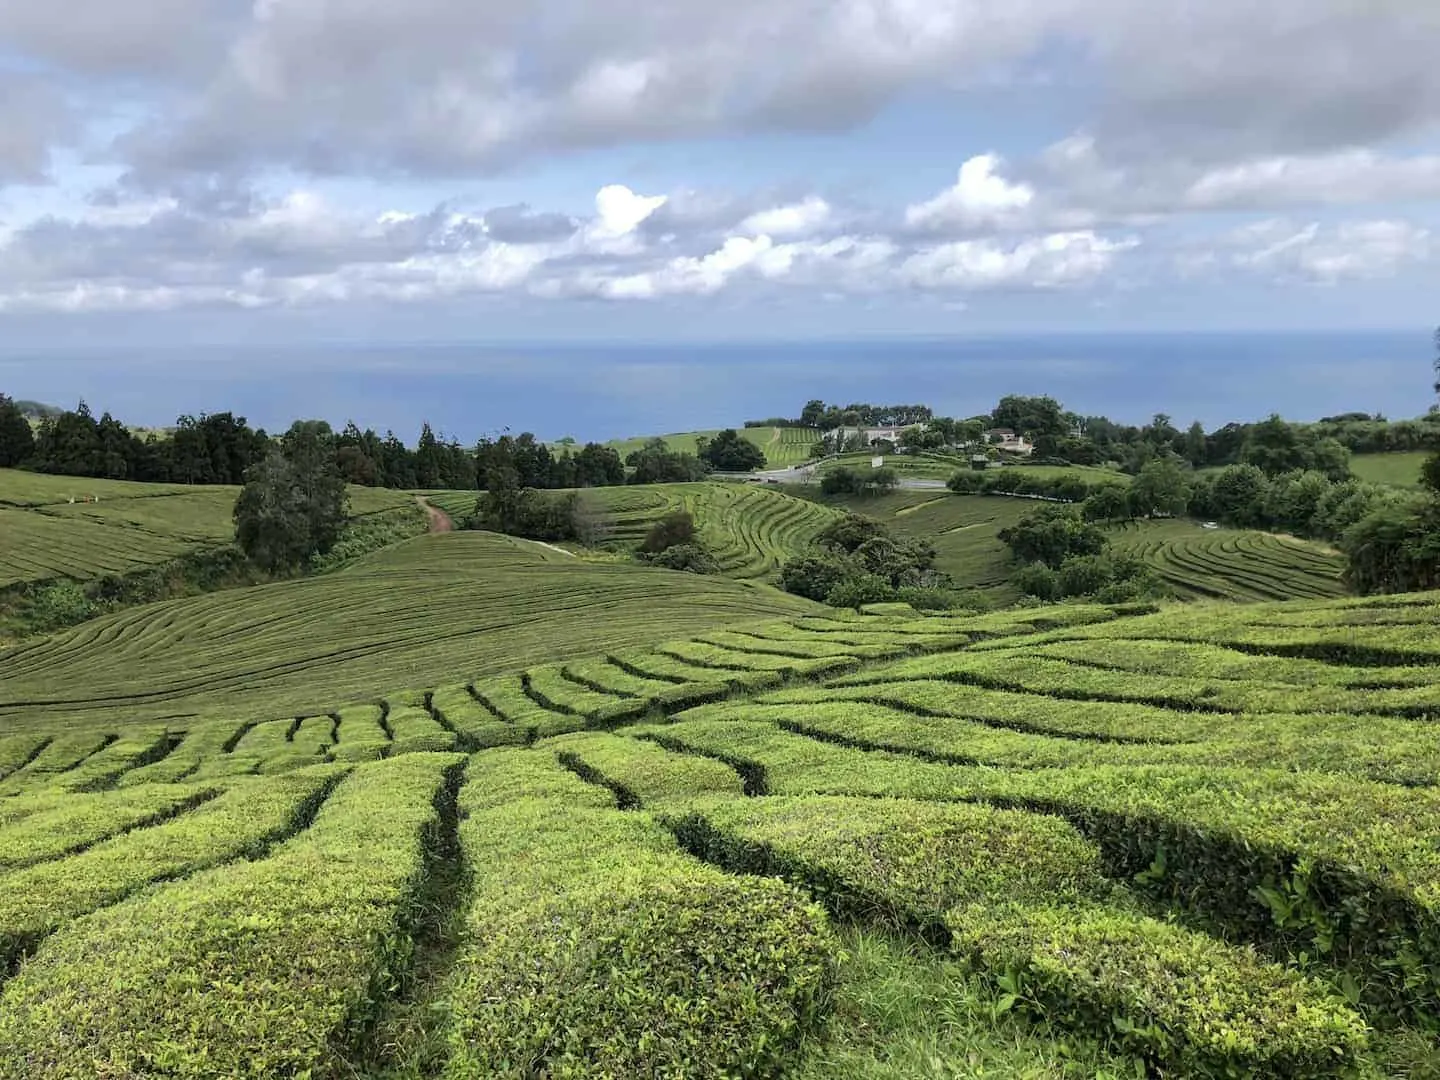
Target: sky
(182, 179)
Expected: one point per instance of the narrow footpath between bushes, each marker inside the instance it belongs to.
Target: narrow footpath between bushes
(439, 520)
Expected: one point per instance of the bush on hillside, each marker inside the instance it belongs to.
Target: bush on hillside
(537, 515)
(847, 481)
(674, 529)
(691, 558)
(856, 561)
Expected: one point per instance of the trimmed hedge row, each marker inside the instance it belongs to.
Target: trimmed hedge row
(102, 769)
(416, 731)
(653, 665)
(595, 949)
(714, 657)
(560, 694)
(1033, 714)
(1026, 672)
(476, 725)
(1198, 661)
(505, 694)
(82, 820)
(239, 824)
(1305, 863)
(797, 648)
(201, 743)
(17, 750)
(666, 695)
(362, 734)
(1022, 896)
(643, 773)
(941, 720)
(60, 753)
(249, 970)
(771, 761)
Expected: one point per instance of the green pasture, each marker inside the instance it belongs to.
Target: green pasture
(1399, 470)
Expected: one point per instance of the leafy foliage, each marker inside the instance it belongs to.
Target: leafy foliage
(294, 504)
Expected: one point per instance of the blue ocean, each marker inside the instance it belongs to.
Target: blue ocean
(616, 389)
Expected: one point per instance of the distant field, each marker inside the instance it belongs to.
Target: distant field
(1234, 564)
(1401, 470)
(43, 534)
(750, 529)
(460, 604)
(1196, 563)
(783, 446)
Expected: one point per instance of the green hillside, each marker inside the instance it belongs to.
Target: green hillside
(457, 604)
(1084, 813)
(1401, 470)
(750, 529)
(783, 446)
(60, 526)
(1195, 563)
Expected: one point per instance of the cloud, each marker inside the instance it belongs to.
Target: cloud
(1362, 250)
(791, 220)
(1351, 176)
(980, 198)
(304, 249)
(450, 86)
(35, 117)
(1052, 261)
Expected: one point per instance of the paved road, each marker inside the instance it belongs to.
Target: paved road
(804, 474)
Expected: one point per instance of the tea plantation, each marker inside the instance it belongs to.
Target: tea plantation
(79, 528)
(508, 814)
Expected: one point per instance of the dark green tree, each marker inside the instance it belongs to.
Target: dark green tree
(1052, 535)
(294, 503)
(1161, 489)
(17, 441)
(729, 452)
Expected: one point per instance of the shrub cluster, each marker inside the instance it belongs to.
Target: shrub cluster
(1019, 481)
(1062, 555)
(255, 969)
(857, 561)
(594, 949)
(1023, 897)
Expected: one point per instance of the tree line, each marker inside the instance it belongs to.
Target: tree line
(220, 448)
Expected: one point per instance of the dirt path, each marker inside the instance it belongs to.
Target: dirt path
(439, 520)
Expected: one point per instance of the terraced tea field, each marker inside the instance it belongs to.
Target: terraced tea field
(751, 530)
(466, 603)
(1195, 563)
(43, 535)
(1066, 842)
(1235, 564)
(783, 446)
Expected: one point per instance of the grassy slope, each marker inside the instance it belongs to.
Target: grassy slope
(751, 529)
(782, 446)
(1401, 470)
(1194, 562)
(437, 609)
(132, 526)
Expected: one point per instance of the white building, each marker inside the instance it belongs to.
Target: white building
(873, 435)
(1008, 442)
